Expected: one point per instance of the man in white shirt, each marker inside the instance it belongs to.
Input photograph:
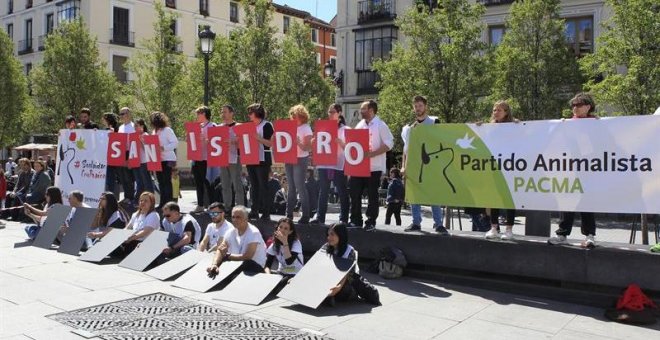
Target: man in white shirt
(421, 118)
(380, 142)
(216, 230)
(242, 243)
(184, 231)
(9, 167)
(128, 176)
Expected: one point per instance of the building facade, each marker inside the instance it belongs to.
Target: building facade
(366, 31)
(121, 26)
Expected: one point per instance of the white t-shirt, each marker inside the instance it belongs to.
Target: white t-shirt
(168, 142)
(283, 268)
(140, 222)
(238, 244)
(73, 212)
(379, 134)
(303, 131)
(215, 232)
(127, 128)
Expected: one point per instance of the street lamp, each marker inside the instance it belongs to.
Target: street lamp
(328, 69)
(206, 39)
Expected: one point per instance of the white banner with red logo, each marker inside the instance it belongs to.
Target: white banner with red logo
(82, 163)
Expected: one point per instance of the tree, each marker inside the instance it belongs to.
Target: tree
(534, 69)
(70, 77)
(627, 58)
(13, 91)
(298, 78)
(442, 59)
(160, 74)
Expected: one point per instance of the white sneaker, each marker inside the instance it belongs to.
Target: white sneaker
(508, 235)
(560, 239)
(492, 234)
(589, 242)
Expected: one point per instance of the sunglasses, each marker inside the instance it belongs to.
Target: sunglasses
(578, 105)
(215, 213)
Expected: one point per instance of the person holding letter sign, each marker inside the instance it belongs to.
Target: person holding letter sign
(168, 143)
(380, 141)
(230, 176)
(334, 173)
(199, 167)
(258, 173)
(142, 174)
(295, 173)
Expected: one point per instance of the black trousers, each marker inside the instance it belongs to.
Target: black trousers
(393, 209)
(164, 178)
(510, 215)
(127, 182)
(356, 186)
(567, 219)
(201, 183)
(258, 175)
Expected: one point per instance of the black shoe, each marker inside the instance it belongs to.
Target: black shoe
(441, 230)
(265, 218)
(413, 227)
(369, 227)
(316, 221)
(304, 220)
(354, 226)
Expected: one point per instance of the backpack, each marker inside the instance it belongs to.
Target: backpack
(391, 263)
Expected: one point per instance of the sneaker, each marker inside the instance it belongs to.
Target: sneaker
(198, 210)
(441, 230)
(413, 227)
(354, 226)
(559, 239)
(369, 227)
(589, 242)
(492, 234)
(508, 235)
(316, 221)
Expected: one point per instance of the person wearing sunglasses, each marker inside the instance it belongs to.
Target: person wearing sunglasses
(184, 231)
(216, 230)
(242, 243)
(583, 106)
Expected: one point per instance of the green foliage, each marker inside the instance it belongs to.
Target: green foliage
(627, 58)
(442, 59)
(13, 91)
(160, 72)
(70, 77)
(298, 78)
(534, 69)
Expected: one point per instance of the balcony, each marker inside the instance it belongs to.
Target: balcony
(495, 2)
(376, 10)
(120, 36)
(41, 42)
(25, 46)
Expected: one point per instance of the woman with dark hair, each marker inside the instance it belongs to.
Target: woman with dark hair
(143, 173)
(259, 173)
(53, 196)
(109, 215)
(353, 285)
(168, 143)
(38, 184)
(110, 121)
(70, 122)
(286, 249)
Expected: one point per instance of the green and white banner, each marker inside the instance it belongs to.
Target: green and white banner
(600, 165)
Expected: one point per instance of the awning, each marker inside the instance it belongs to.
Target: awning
(39, 147)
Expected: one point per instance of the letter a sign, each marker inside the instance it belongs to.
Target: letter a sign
(285, 148)
(116, 149)
(357, 145)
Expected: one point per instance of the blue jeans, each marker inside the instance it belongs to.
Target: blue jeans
(295, 175)
(416, 211)
(337, 177)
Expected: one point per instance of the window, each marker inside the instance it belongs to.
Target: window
(204, 7)
(10, 31)
(315, 33)
(50, 23)
(67, 10)
(495, 35)
(286, 21)
(118, 68)
(120, 33)
(333, 62)
(28, 34)
(333, 41)
(371, 44)
(579, 34)
(170, 3)
(28, 4)
(10, 9)
(233, 12)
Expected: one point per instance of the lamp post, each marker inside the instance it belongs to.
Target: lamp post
(328, 69)
(206, 39)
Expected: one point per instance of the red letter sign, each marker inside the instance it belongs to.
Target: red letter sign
(324, 150)
(357, 145)
(152, 151)
(285, 148)
(218, 147)
(247, 143)
(134, 150)
(194, 141)
(116, 149)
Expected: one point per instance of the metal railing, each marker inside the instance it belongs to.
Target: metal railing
(495, 2)
(119, 36)
(25, 46)
(376, 10)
